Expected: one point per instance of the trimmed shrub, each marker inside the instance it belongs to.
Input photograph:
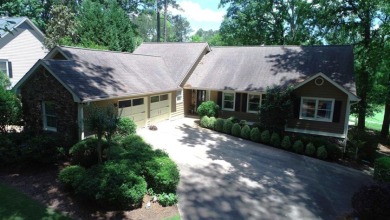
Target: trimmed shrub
(310, 149)
(219, 124)
(243, 123)
(227, 127)
(236, 130)
(255, 135)
(84, 153)
(208, 108)
(204, 121)
(322, 153)
(233, 119)
(382, 169)
(334, 151)
(246, 132)
(167, 199)
(211, 124)
(126, 126)
(298, 147)
(275, 139)
(265, 137)
(72, 176)
(286, 143)
(136, 150)
(372, 202)
(162, 175)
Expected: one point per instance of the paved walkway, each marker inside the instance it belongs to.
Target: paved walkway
(224, 177)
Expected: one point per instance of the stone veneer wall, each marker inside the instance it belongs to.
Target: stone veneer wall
(42, 86)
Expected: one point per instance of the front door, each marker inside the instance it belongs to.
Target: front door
(201, 97)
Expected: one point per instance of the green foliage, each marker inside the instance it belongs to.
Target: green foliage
(372, 202)
(276, 109)
(243, 123)
(286, 143)
(322, 153)
(298, 147)
(212, 123)
(246, 132)
(265, 137)
(204, 121)
(219, 124)
(365, 143)
(10, 106)
(84, 153)
(126, 126)
(208, 108)
(310, 149)
(227, 127)
(255, 135)
(212, 37)
(167, 199)
(334, 151)
(275, 139)
(72, 176)
(236, 130)
(162, 175)
(382, 169)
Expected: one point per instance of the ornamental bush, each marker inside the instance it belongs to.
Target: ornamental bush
(84, 153)
(310, 149)
(236, 130)
(246, 132)
(275, 139)
(71, 176)
(286, 143)
(322, 153)
(298, 147)
(265, 137)
(227, 127)
(255, 135)
(126, 126)
(162, 175)
(204, 121)
(334, 151)
(219, 124)
(211, 124)
(208, 108)
(167, 199)
(382, 169)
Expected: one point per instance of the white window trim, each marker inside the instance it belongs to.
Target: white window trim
(6, 67)
(260, 103)
(45, 127)
(223, 101)
(316, 109)
(179, 95)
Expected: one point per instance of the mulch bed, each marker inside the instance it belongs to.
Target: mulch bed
(43, 185)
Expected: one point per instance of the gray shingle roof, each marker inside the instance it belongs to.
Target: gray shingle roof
(179, 57)
(10, 23)
(256, 68)
(93, 74)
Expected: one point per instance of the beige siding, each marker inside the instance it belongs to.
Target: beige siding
(327, 90)
(23, 51)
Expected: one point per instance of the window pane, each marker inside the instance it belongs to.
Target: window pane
(308, 108)
(154, 99)
(139, 101)
(228, 104)
(50, 109)
(228, 97)
(51, 121)
(125, 104)
(323, 114)
(3, 67)
(164, 97)
(254, 98)
(253, 107)
(324, 109)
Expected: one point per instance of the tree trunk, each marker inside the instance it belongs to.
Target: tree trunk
(363, 101)
(165, 19)
(99, 149)
(158, 22)
(386, 117)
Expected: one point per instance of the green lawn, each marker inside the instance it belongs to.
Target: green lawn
(374, 122)
(17, 206)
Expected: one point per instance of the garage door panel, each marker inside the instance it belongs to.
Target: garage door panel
(136, 113)
(159, 110)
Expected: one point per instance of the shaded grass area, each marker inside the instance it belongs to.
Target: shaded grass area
(374, 122)
(176, 217)
(17, 206)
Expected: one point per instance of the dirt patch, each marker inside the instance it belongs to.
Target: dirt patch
(42, 185)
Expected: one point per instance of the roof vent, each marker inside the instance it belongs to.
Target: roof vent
(319, 81)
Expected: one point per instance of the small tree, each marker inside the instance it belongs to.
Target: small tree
(208, 108)
(103, 121)
(10, 105)
(276, 109)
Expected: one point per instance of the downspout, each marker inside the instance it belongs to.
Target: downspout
(81, 120)
(347, 122)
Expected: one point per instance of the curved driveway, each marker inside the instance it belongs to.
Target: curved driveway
(223, 177)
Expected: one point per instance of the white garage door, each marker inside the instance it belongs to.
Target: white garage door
(159, 108)
(134, 109)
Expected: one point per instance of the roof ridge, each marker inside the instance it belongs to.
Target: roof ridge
(269, 46)
(174, 43)
(107, 51)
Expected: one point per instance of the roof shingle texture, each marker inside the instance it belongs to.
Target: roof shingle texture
(179, 57)
(10, 23)
(256, 68)
(93, 74)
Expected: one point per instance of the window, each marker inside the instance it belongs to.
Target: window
(131, 102)
(317, 109)
(154, 99)
(179, 96)
(163, 97)
(125, 104)
(5, 67)
(253, 103)
(137, 102)
(49, 116)
(228, 99)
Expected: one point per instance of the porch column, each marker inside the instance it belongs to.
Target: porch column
(80, 120)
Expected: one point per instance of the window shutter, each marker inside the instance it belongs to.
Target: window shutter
(297, 107)
(337, 111)
(219, 100)
(238, 102)
(10, 69)
(244, 102)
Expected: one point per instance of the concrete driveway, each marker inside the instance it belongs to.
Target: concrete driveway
(223, 177)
